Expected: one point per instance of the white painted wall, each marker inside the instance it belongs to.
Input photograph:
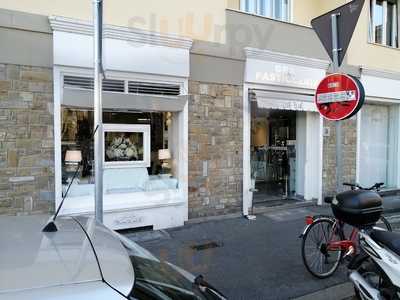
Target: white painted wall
(301, 148)
(247, 194)
(313, 156)
(308, 155)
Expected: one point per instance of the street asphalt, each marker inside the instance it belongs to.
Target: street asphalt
(259, 259)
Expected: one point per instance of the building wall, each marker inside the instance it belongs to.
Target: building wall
(305, 10)
(363, 53)
(26, 139)
(26, 39)
(201, 20)
(349, 155)
(207, 21)
(215, 149)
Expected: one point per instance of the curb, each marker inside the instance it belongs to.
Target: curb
(263, 210)
(340, 291)
(257, 211)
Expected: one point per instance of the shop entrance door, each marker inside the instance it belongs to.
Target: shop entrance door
(273, 157)
(284, 156)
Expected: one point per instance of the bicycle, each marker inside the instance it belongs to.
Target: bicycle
(324, 243)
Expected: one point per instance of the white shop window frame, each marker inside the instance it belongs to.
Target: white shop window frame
(247, 143)
(181, 131)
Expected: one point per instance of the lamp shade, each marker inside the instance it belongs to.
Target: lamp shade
(164, 154)
(73, 156)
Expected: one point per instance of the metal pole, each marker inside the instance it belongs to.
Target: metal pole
(335, 67)
(98, 110)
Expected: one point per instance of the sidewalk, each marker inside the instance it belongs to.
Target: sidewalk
(258, 259)
(245, 259)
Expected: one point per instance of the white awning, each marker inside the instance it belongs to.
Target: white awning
(283, 101)
(84, 99)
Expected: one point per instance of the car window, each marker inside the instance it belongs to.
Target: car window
(157, 280)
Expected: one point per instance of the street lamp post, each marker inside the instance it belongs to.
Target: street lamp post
(98, 109)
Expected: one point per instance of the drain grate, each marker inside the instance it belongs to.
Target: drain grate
(205, 246)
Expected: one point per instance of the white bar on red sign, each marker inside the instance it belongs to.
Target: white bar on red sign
(333, 97)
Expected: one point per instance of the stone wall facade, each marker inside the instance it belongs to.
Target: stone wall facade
(26, 140)
(215, 149)
(349, 154)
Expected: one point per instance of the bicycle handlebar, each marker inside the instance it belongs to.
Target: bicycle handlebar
(353, 186)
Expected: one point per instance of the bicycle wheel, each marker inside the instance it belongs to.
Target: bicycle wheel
(383, 223)
(317, 258)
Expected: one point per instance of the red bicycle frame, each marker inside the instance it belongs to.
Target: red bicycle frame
(349, 245)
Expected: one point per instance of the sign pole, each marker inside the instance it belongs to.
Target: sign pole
(338, 125)
(335, 30)
(98, 111)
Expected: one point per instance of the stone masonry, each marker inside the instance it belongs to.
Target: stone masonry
(26, 140)
(215, 149)
(349, 135)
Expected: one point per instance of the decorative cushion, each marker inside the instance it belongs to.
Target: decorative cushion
(124, 179)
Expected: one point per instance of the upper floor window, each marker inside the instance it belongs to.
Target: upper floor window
(276, 9)
(384, 22)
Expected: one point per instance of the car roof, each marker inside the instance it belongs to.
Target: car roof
(114, 261)
(31, 259)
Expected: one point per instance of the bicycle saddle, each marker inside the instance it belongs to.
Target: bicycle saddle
(387, 238)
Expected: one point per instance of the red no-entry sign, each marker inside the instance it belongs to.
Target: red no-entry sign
(339, 97)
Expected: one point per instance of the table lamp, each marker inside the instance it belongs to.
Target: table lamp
(73, 159)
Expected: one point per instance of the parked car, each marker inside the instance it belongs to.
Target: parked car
(85, 260)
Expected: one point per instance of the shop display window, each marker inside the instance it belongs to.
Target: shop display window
(378, 157)
(133, 142)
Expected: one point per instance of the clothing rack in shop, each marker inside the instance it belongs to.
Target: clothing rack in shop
(267, 158)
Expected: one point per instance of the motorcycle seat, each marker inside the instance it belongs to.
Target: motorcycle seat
(388, 239)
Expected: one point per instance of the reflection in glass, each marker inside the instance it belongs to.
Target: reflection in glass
(378, 140)
(391, 32)
(378, 21)
(384, 22)
(277, 9)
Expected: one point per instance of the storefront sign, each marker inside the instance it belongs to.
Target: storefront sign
(339, 97)
(269, 72)
(284, 74)
(285, 104)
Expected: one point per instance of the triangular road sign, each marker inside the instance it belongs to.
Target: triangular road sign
(347, 21)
